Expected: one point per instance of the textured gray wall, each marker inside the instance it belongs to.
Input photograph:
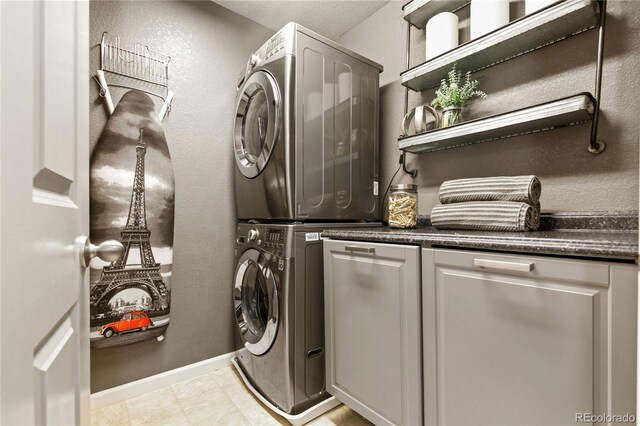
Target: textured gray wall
(572, 179)
(208, 46)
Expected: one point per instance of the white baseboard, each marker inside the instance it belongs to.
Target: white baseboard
(151, 383)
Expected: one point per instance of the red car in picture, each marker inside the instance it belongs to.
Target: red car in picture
(129, 322)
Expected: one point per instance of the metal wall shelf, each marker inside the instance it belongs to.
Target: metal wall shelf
(523, 35)
(550, 115)
(418, 12)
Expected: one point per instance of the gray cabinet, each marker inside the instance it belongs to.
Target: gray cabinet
(510, 339)
(373, 329)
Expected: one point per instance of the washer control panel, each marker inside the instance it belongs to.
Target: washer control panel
(274, 238)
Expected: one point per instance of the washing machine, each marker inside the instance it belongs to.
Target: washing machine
(278, 298)
(306, 131)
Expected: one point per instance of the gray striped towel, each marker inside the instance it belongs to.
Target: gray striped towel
(524, 189)
(486, 216)
(536, 216)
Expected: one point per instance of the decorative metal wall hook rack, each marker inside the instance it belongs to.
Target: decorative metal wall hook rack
(141, 64)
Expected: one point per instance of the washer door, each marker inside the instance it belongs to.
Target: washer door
(257, 124)
(256, 302)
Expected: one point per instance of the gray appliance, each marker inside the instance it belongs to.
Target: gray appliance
(279, 311)
(306, 131)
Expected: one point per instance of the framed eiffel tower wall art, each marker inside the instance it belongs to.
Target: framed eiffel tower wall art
(132, 196)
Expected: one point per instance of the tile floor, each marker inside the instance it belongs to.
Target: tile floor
(215, 399)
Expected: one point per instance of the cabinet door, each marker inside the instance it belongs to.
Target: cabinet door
(514, 339)
(372, 323)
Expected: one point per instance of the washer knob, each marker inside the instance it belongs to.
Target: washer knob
(253, 234)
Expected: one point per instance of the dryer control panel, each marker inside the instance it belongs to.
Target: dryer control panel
(274, 44)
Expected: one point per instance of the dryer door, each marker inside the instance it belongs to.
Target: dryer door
(257, 124)
(256, 302)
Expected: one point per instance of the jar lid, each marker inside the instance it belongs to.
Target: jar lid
(404, 187)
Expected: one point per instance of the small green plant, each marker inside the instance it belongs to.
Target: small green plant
(453, 94)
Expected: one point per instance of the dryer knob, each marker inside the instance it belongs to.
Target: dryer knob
(254, 60)
(253, 234)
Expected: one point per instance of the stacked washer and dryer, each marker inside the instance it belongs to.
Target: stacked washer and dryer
(307, 155)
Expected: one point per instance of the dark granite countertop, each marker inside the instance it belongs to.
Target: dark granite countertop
(617, 243)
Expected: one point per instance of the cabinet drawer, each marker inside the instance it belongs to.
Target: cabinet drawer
(535, 267)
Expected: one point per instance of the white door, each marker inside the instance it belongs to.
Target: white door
(44, 165)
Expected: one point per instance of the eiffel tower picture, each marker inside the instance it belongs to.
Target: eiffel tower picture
(120, 275)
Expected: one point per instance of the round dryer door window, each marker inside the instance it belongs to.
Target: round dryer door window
(257, 124)
(256, 302)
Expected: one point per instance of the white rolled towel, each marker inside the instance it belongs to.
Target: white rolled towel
(531, 6)
(488, 15)
(442, 34)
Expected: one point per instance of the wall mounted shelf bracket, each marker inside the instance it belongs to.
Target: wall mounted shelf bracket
(412, 172)
(597, 146)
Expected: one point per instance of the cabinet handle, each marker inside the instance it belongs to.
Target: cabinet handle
(355, 249)
(504, 266)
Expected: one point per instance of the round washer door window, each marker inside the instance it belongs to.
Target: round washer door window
(257, 123)
(256, 302)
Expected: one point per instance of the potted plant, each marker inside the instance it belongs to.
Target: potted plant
(452, 95)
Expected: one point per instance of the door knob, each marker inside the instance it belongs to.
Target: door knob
(109, 251)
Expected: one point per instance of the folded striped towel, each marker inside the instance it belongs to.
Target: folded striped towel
(486, 216)
(524, 189)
